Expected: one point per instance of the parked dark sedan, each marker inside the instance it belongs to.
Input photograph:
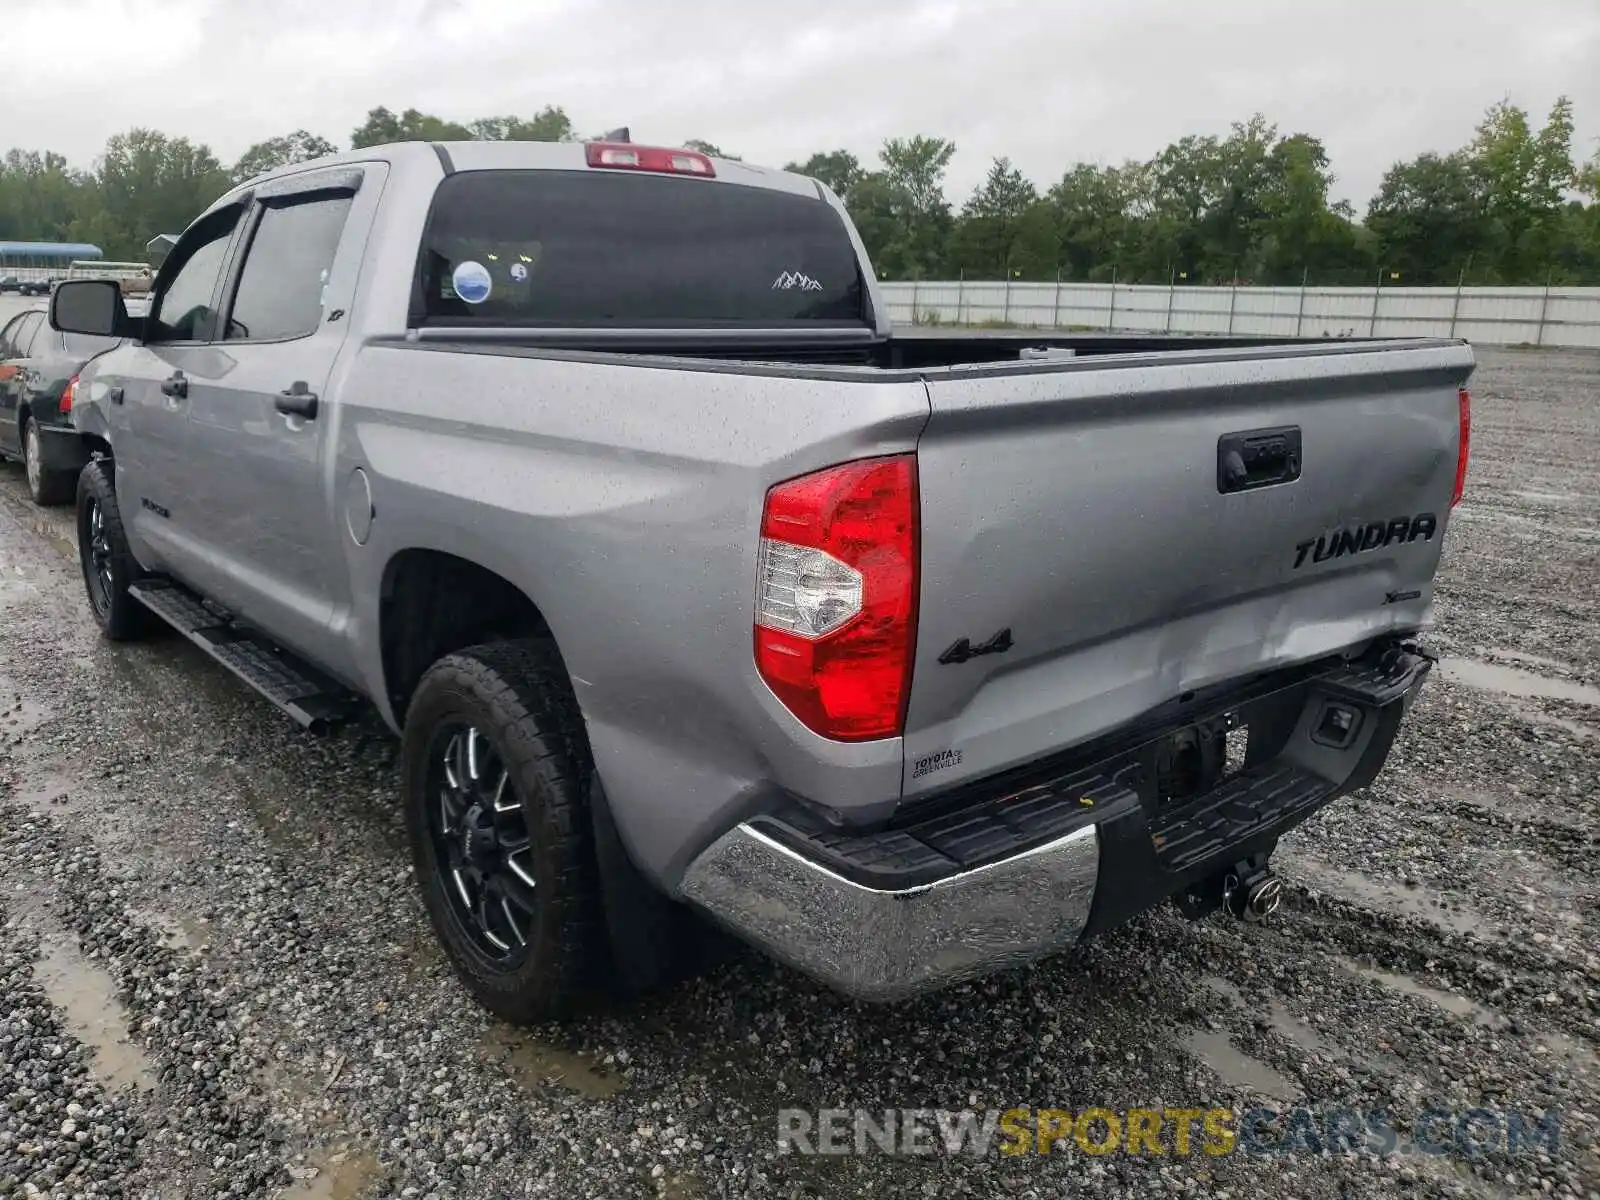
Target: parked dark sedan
(38, 367)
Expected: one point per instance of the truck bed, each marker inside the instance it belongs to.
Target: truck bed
(908, 349)
(1075, 504)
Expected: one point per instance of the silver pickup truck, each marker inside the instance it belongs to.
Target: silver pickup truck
(695, 589)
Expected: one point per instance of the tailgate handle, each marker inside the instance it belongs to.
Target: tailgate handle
(1258, 458)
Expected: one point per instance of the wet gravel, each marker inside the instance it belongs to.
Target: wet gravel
(238, 994)
(57, 1124)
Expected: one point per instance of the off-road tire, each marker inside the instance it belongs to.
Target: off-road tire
(121, 618)
(516, 694)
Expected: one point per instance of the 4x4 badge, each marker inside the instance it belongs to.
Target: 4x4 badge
(963, 649)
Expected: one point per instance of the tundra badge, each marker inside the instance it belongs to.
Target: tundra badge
(1358, 539)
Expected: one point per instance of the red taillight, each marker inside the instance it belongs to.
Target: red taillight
(836, 601)
(625, 156)
(68, 395)
(1463, 448)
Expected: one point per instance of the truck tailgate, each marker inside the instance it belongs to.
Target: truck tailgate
(1090, 549)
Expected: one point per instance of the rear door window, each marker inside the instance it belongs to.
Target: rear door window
(607, 248)
(286, 269)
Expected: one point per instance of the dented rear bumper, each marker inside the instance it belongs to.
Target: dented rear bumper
(1011, 869)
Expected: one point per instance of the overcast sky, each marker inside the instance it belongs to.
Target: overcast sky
(1046, 82)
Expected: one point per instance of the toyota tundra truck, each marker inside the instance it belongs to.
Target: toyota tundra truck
(694, 589)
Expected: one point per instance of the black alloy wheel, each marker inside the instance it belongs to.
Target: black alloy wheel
(482, 842)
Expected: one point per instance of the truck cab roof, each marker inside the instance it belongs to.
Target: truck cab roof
(517, 156)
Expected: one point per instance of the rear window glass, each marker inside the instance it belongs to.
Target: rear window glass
(609, 248)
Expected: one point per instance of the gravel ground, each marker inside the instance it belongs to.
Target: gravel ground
(216, 980)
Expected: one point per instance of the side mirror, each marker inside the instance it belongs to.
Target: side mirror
(92, 306)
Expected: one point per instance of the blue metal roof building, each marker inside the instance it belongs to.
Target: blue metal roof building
(45, 254)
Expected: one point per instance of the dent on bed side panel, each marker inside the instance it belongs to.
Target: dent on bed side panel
(625, 501)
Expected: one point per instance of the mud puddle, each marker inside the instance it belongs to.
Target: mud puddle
(1225, 988)
(55, 533)
(1236, 1068)
(1288, 1026)
(51, 794)
(1579, 1057)
(18, 714)
(538, 1065)
(1372, 893)
(57, 542)
(1575, 1055)
(1530, 660)
(179, 932)
(1551, 497)
(342, 1175)
(39, 791)
(1293, 1030)
(87, 995)
(1532, 525)
(1512, 681)
(1534, 715)
(1452, 1002)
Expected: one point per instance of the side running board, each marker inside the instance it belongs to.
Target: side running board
(312, 699)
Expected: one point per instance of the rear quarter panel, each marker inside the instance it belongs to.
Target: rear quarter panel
(625, 500)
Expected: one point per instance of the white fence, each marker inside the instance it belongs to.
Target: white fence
(1533, 316)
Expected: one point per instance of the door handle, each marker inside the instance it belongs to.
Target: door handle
(175, 385)
(1258, 458)
(116, 395)
(297, 401)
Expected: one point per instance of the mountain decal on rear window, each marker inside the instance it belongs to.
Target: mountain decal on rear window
(791, 280)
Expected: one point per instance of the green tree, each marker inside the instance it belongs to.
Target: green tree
(917, 166)
(1587, 180)
(1100, 215)
(1186, 185)
(382, 127)
(1511, 206)
(149, 183)
(41, 198)
(297, 147)
(1244, 174)
(710, 149)
(901, 210)
(1522, 178)
(1303, 234)
(1428, 219)
(549, 124)
(838, 169)
(994, 229)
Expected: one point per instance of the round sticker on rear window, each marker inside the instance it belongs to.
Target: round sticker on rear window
(471, 281)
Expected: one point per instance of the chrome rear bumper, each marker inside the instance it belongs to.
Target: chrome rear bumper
(884, 945)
